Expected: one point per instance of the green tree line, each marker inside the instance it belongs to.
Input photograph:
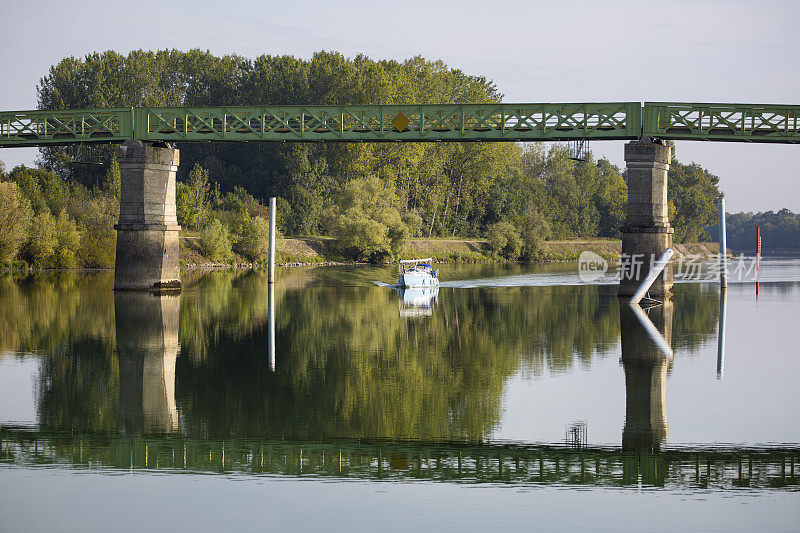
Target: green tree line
(370, 195)
(50, 222)
(779, 231)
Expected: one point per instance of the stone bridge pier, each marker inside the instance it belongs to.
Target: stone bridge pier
(646, 233)
(147, 232)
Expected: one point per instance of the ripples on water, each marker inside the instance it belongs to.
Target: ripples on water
(508, 375)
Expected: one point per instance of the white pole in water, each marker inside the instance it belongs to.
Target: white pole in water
(723, 305)
(723, 245)
(272, 240)
(652, 275)
(271, 285)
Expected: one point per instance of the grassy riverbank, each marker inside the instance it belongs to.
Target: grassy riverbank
(321, 250)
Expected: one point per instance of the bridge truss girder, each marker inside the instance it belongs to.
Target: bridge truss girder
(405, 123)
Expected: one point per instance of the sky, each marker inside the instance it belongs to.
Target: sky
(535, 51)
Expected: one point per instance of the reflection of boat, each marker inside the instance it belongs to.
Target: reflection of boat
(418, 301)
(417, 273)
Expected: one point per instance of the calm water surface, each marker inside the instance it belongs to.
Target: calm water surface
(515, 397)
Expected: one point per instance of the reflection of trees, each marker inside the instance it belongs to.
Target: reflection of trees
(40, 313)
(347, 364)
(68, 320)
(217, 302)
(564, 324)
(695, 318)
(78, 386)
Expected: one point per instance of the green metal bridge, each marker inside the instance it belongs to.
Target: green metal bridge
(407, 123)
(515, 464)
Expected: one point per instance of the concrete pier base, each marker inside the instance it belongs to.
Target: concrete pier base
(646, 233)
(147, 232)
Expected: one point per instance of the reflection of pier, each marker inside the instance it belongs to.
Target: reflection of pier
(147, 345)
(645, 377)
(685, 469)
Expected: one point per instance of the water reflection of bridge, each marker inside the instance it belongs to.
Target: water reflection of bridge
(708, 468)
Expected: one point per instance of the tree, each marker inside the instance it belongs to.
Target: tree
(308, 176)
(42, 240)
(610, 199)
(413, 222)
(15, 220)
(98, 239)
(779, 231)
(43, 188)
(187, 208)
(367, 223)
(215, 242)
(533, 232)
(504, 240)
(253, 243)
(112, 183)
(199, 186)
(67, 242)
(692, 193)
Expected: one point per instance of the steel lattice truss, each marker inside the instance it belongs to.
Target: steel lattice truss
(35, 128)
(490, 122)
(406, 123)
(723, 122)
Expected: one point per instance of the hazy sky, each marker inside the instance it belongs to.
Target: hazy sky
(576, 51)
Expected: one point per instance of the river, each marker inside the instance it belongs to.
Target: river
(515, 397)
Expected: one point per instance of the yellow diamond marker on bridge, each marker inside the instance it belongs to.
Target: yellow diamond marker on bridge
(401, 121)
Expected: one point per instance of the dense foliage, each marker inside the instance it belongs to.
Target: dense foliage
(439, 189)
(692, 193)
(367, 222)
(49, 222)
(779, 231)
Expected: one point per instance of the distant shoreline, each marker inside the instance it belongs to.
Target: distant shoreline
(319, 251)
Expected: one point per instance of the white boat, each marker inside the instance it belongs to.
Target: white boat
(417, 273)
